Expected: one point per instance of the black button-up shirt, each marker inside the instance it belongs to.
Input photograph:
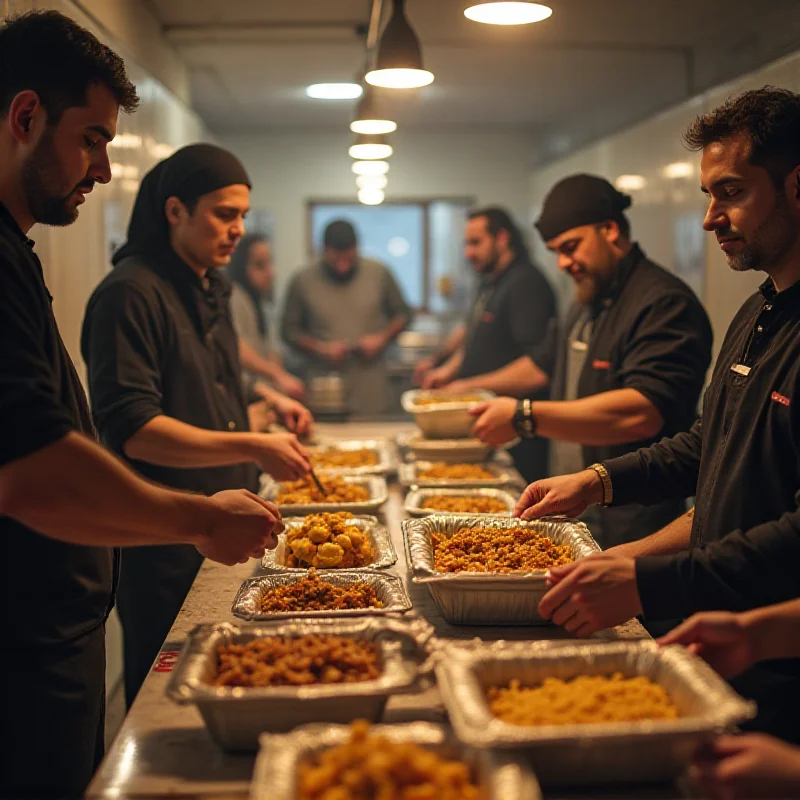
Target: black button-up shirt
(160, 340)
(55, 591)
(650, 333)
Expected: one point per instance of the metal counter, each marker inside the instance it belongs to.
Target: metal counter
(164, 750)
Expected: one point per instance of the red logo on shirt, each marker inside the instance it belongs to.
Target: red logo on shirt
(598, 364)
(780, 398)
(487, 317)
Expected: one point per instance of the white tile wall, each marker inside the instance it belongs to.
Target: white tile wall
(667, 213)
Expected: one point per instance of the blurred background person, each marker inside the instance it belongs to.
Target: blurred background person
(343, 312)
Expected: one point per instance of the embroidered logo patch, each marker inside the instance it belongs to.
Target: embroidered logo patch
(487, 317)
(599, 364)
(780, 398)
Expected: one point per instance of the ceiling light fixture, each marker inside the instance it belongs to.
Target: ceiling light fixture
(370, 148)
(334, 91)
(372, 181)
(630, 183)
(370, 197)
(398, 55)
(519, 12)
(678, 169)
(370, 116)
(370, 167)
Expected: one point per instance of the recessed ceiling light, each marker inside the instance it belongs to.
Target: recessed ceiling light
(630, 183)
(518, 12)
(334, 91)
(678, 169)
(370, 167)
(370, 197)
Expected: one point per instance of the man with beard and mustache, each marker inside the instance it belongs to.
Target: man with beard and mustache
(343, 312)
(497, 348)
(629, 364)
(64, 501)
(740, 549)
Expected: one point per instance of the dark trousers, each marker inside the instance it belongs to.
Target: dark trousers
(53, 717)
(153, 584)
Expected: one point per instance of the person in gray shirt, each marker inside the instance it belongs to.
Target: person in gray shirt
(343, 312)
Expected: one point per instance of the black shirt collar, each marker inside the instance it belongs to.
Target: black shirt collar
(788, 298)
(7, 217)
(623, 271)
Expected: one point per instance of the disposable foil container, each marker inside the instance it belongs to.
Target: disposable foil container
(484, 598)
(387, 455)
(656, 750)
(375, 485)
(415, 501)
(236, 715)
(499, 775)
(447, 450)
(449, 420)
(385, 555)
(409, 475)
(389, 589)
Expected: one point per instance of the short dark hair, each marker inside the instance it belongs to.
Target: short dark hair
(769, 116)
(498, 219)
(340, 235)
(52, 55)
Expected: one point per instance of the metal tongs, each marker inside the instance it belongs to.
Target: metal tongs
(320, 488)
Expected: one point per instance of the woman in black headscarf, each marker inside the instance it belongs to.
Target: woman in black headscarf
(164, 374)
(252, 276)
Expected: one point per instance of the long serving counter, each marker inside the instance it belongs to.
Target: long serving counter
(163, 749)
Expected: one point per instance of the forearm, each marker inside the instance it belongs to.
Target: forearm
(453, 364)
(673, 538)
(453, 342)
(93, 499)
(615, 417)
(253, 362)
(169, 442)
(520, 378)
(394, 328)
(773, 630)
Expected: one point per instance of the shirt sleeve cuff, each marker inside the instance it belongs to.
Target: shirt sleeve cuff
(125, 422)
(627, 479)
(661, 593)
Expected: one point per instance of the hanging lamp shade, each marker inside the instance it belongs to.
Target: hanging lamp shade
(398, 57)
(369, 167)
(371, 116)
(370, 148)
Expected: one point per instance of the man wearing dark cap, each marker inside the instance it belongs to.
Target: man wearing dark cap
(343, 312)
(164, 373)
(631, 359)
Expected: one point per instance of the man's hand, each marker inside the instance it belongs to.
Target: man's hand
(290, 385)
(592, 594)
(295, 416)
(371, 345)
(280, 455)
(422, 368)
(494, 420)
(240, 526)
(569, 495)
(738, 767)
(438, 377)
(335, 351)
(721, 638)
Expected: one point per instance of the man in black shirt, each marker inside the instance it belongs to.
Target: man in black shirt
(740, 547)
(164, 374)
(64, 501)
(513, 310)
(629, 364)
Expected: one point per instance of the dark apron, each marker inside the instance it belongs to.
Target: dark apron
(153, 584)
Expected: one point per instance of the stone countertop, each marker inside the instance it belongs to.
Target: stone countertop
(163, 749)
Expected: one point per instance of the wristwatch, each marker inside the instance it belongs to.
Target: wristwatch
(605, 479)
(523, 421)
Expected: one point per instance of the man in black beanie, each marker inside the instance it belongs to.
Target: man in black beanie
(629, 364)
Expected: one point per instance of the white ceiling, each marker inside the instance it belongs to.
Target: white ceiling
(593, 67)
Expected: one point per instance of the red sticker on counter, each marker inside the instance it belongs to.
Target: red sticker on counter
(166, 661)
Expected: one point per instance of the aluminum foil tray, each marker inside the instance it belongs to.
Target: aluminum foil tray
(408, 476)
(378, 495)
(500, 775)
(236, 715)
(656, 750)
(448, 450)
(416, 498)
(387, 455)
(385, 555)
(481, 598)
(389, 589)
(441, 420)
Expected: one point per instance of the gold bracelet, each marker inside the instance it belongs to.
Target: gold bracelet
(605, 479)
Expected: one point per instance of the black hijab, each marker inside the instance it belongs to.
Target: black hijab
(187, 174)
